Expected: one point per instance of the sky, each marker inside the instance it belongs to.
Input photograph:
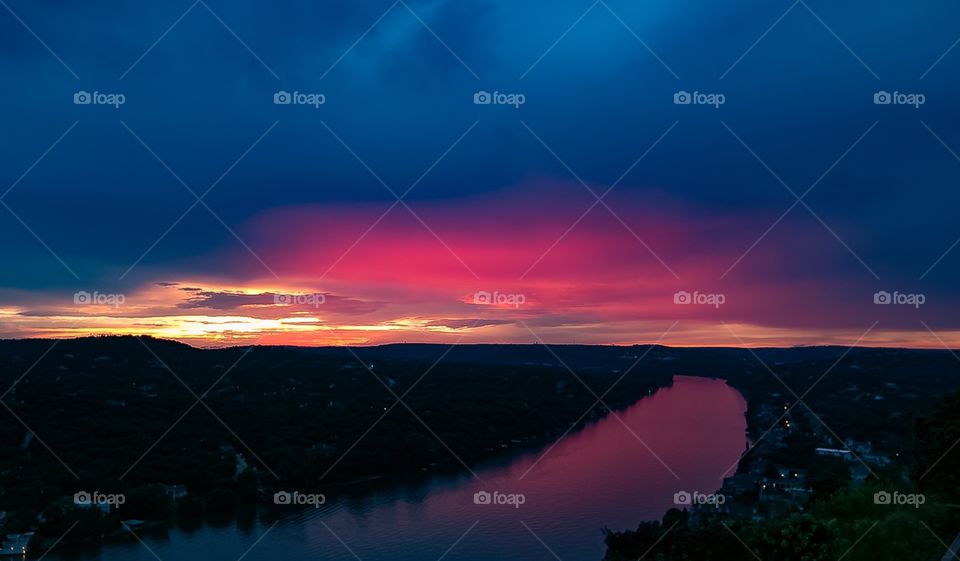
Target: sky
(375, 171)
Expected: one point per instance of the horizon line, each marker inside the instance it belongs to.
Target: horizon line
(941, 348)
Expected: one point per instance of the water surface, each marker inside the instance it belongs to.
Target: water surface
(610, 474)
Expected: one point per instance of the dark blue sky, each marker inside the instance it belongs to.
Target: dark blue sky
(399, 78)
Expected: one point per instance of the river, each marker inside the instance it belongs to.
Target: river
(615, 473)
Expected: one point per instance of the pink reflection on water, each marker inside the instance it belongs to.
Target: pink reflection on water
(600, 476)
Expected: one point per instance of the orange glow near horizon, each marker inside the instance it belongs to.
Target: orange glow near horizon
(506, 278)
(294, 327)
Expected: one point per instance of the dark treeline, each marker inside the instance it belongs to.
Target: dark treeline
(291, 419)
(847, 523)
(900, 401)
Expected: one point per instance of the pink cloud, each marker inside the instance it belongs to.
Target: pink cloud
(540, 262)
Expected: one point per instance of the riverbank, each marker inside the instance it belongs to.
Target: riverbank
(598, 475)
(867, 447)
(321, 422)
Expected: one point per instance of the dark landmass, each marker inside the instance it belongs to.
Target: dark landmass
(123, 415)
(855, 519)
(184, 432)
(863, 466)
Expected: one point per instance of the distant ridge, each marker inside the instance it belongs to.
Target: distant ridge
(573, 355)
